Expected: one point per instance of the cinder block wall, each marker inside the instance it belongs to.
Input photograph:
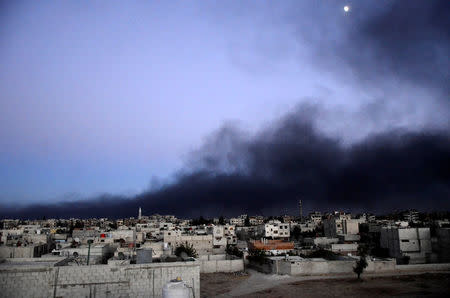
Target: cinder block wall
(146, 280)
(220, 263)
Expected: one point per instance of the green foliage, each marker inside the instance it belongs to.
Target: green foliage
(79, 224)
(296, 233)
(380, 252)
(201, 221)
(221, 220)
(257, 255)
(247, 221)
(405, 260)
(188, 249)
(361, 264)
(323, 253)
(234, 251)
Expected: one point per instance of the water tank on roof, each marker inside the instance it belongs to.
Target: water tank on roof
(143, 256)
(175, 289)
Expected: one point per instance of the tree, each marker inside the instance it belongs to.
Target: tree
(186, 248)
(361, 264)
(257, 255)
(296, 232)
(233, 250)
(247, 221)
(79, 225)
(200, 221)
(221, 220)
(113, 225)
(323, 253)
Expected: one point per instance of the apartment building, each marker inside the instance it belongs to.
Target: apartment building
(274, 229)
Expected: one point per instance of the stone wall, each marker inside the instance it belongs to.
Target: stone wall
(146, 280)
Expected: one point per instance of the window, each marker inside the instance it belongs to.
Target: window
(405, 240)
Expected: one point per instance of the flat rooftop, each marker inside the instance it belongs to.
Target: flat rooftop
(51, 262)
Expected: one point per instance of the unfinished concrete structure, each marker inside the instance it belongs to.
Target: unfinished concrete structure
(414, 243)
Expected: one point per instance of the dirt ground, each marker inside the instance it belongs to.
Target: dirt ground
(418, 285)
(214, 284)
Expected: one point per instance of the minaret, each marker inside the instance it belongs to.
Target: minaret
(140, 213)
(301, 210)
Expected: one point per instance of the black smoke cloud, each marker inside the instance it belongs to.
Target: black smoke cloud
(379, 40)
(268, 172)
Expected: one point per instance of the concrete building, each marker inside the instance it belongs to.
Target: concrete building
(411, 216)
(237, 221)
(85, 234)
(28, 251)
(256, 220)
(307, 226)
(98, 253)
(339, 225)
(316, 217)
(128, 235)
(219, 239)
(274, 229)
(321, 242)
(345, 249)
(414, 243)
(203, 244)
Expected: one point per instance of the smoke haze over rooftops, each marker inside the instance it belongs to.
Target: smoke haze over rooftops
(268, 172)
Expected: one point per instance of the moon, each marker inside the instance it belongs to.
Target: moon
(346, 8)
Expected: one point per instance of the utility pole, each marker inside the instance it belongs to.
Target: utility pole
(89, 249)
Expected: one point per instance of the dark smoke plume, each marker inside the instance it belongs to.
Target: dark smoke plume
(267, 173)
(381, 40)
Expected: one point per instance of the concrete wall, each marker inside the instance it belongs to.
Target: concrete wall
(220, 263)
(318, 267)
(443, 244)
(202, 244)
(30, 251)
(145, 280)
(425, 267)
(344, 247)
